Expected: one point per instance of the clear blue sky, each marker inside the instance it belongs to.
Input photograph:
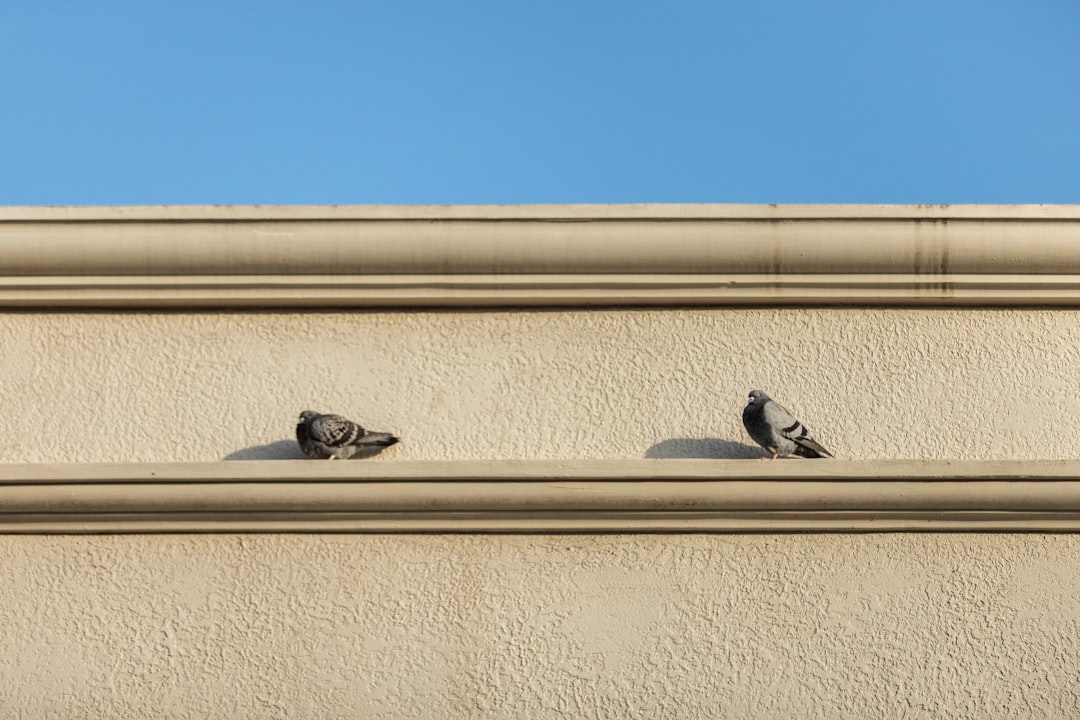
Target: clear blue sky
(529, 101)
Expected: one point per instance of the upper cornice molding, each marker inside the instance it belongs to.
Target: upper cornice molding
(539, 255)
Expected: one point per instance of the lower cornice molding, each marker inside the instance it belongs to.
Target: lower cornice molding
(586, 496)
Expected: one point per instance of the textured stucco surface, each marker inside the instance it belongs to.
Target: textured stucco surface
(539, 626)
(562, 384)
(656, 626)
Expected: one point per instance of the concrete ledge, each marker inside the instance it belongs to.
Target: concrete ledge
(589, 255)
(543, 496)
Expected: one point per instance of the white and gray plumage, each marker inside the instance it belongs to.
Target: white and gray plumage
(774, 428)
(332, 436)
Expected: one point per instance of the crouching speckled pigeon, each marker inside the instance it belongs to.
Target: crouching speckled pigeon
(777, 430)
(332, 436)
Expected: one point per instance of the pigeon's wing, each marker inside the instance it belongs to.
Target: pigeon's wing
(787, 425)
(335, 430)
(378, 439)
(780, 419)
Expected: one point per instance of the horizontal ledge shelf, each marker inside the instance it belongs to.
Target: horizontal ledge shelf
(559, 255)
(543, 496)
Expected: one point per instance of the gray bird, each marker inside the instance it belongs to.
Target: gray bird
(332, 436)
(774, 428)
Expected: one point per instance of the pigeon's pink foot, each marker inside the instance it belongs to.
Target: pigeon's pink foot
(332, 457)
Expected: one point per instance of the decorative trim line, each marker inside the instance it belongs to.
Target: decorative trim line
(585, 290)
(560, 255)
(549, 212)
(543, 497)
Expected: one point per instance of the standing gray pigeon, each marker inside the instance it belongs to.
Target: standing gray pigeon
(777, 430)
(332, 436)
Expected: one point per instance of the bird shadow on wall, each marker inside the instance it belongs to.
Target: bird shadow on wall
(714, 448)
(280, 450)
(284, 450)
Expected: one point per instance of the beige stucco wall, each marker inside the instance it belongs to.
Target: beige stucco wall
(898, 383)
(639, 626)
(438, 626)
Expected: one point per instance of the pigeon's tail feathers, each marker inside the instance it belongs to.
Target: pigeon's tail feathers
(807, 447)
(377, 439)
(796, 432)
